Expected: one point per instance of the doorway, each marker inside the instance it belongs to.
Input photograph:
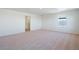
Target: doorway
(27, 23)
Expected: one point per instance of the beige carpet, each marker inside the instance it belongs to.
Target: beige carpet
(40, 40)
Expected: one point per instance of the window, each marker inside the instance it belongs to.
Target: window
(62, 21)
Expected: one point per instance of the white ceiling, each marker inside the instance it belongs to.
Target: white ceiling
(40, 11)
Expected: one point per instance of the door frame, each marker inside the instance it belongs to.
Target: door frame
(29, 23)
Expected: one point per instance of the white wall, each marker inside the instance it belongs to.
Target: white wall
(36, 23)
(12, 22)
(50, 22)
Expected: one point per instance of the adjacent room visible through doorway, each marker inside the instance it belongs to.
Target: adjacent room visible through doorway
(27, 23)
